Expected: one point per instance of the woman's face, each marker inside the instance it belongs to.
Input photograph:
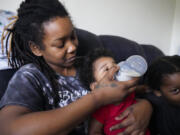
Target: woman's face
(60, 43)
(170, 88)
(102, 66)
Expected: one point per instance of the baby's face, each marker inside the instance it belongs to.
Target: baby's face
(171, 88)
(102, 66)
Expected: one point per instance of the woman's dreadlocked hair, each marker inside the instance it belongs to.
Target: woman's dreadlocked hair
(29, 28)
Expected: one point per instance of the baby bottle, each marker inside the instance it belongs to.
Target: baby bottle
(133, 66)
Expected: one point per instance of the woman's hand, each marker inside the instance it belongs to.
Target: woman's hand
(109, 91)
(142, 89)
(138, 117)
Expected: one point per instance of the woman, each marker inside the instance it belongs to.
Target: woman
(45, 96)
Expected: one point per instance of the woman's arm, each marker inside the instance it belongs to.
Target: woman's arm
(138, 117)
(95, 127)
(16, 120)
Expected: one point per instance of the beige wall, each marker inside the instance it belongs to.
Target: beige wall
(175, 46)
(145, 21)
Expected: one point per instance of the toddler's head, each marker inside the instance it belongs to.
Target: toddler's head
(163, 77)
(96, 65)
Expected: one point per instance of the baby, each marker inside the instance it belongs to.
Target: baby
(96, 65)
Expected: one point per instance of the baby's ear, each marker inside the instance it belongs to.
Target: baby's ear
(157, 93)
(92, 85)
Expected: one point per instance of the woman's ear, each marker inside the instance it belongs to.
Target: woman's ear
(35, 49)
(157, 93)
(93, 85)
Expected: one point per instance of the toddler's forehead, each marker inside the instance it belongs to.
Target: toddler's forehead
(170, 78)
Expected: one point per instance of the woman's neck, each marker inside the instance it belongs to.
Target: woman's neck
(68, 71)
(65, 71)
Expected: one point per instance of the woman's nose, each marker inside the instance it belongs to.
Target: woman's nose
(71, 47)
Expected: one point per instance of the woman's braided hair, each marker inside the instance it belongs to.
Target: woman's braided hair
(29, 28)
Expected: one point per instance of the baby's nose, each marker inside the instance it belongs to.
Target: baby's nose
(116, 67)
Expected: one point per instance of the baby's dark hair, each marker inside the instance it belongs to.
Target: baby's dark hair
(86, 70)
(28, 28)
(161, 67)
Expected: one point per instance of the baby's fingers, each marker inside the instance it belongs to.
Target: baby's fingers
(110, 74)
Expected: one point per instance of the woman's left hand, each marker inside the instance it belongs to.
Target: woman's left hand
(136, 120)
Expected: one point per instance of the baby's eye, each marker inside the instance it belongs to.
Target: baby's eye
(176, 91)
(106, 69)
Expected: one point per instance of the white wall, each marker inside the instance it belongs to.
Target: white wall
(145, 21)
(175, 46)
(10, 5)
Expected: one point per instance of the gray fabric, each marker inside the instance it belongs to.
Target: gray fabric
(87, 41)
(31, 89)
(121, 47)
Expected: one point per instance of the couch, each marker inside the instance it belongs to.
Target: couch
(121, 48)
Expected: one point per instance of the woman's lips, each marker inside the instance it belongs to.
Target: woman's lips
(71, 59)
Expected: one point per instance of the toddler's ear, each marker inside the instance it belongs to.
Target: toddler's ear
(92, 85)
(157, 93)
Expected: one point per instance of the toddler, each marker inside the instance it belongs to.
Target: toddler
(163, 79)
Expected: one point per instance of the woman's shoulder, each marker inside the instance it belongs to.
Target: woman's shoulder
(30, 71)
(29, 67)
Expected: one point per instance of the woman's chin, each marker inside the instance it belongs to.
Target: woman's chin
(69, 64)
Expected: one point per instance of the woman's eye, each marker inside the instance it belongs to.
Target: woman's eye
(61, 45)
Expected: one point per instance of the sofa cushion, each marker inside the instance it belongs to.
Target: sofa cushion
(121, 47)
(151, 52)
(5, 76)
(87, 41)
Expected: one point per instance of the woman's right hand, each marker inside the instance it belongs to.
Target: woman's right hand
(109, 91)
